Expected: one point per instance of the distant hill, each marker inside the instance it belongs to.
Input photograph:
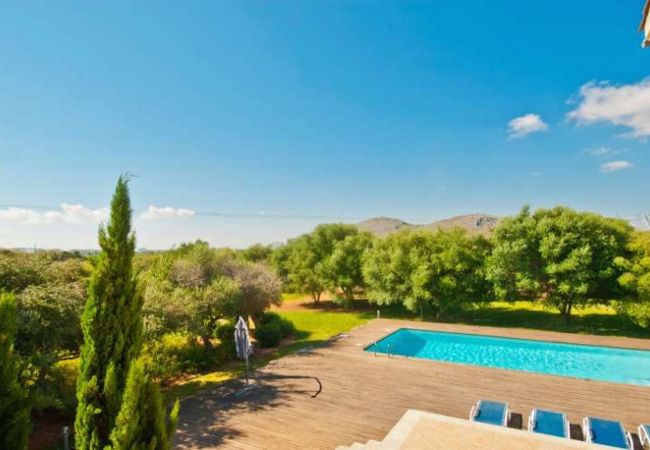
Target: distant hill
(473, 223)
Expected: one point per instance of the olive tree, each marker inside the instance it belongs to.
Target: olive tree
(442, 270)
(562, 257)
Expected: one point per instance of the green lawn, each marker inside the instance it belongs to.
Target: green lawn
(599, 320)
(318, 326)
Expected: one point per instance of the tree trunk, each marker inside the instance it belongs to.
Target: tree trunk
(565, 311)
(316, 297)
(421, 310)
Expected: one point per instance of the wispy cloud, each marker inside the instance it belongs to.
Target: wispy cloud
(72, 214)
(604, 151)
(613, 166)
(627, 105)
(155, 212)
(525, 125)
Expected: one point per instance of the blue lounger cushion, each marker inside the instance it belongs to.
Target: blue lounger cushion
(493, 413)
(606, 432)
(549, 422)
(644, 434)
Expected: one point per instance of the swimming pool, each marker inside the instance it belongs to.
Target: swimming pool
(581, 361)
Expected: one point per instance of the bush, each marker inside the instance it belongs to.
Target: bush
(268, 334)
(175, 354)
(226, 333)
(286, 326)
(639, 313)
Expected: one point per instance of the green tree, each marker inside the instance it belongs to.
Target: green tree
(112, 327)
(259, 288)
(14, 406)
(306, 264)
(443, 270)
(206, 305)
(257, 253)
(562, 257)
(343, 270)
(636, 280)
(49, 318)
(141, 422)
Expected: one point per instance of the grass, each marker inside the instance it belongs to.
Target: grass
(598, 320)
(293, 296)
(318, 326)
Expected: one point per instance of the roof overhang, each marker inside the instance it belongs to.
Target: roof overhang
(645, 25)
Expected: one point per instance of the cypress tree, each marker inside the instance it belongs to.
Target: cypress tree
(15, 421)
(112, 327)
(141, 422)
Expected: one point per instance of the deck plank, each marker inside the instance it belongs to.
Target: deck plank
(364, 395)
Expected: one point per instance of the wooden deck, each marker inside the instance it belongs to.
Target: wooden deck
(363, 395)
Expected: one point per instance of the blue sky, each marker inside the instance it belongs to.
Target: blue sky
(280, 115)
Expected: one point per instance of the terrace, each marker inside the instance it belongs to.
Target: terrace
(363, 396)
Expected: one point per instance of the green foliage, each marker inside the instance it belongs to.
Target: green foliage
(194, 288)
(257, 253)
(112, 327)
(343, 269)
(141, 422)
(636, 280)
(268, 334)
(175, 354)
(226, 332)
(14, 406)
(286, 326)
(441, 270)
(49, 318)
(560, 256)
(19, 270)
(305, 261)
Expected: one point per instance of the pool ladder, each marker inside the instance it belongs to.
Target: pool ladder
(376, 346)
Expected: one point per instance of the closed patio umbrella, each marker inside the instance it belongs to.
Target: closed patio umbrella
(243, 342)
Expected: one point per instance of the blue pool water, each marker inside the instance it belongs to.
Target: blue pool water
(581, 361)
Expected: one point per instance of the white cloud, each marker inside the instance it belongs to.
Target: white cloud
(72, 214)
(627, 105)
(605, 151)
(155, 212)
(616, 165)
(525, 125)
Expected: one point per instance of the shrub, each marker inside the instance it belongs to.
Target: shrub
(268, 334)
(638, 312)
(286, 326)
(175, 354)
(226, 333)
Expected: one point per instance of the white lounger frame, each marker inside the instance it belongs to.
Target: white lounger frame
(589, 438)
(643, 436)
(475, 409)
(533, 417)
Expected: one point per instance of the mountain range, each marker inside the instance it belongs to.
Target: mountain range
(474, 223)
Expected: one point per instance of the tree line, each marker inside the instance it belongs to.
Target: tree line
(563, 258)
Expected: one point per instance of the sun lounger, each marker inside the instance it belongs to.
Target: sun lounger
(606, 432)
(494, 413)
(644, 434)
(548, 422)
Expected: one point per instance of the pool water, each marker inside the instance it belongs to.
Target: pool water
(581, 361)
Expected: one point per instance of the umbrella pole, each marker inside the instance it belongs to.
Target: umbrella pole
(246, 368)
